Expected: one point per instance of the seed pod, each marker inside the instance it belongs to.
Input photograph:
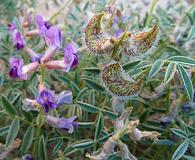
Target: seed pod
(118, 82)
(97, 41)
(141, 43)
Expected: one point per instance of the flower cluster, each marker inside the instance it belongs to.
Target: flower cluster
(53, 39)
(46, 100)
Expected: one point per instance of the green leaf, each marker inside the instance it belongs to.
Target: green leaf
(28, 115)
(95, 85)
(144, 115)
(16, 100)
(91, 70)
(104, 137)
(139, 67)
(176, 49)
(164, 142)
(170, 71)
(179, 132)
(27, 140)
(85, 124)
(81, 94)
(180, 151)
(112, 115)
(188, 157)
(142, 65)
(99, 125)
(156, 68)
(64, 79)
(83, 144)
(182, 60)
(186, 81)
(75, 88)
(88, 107)
(8, 106)
(57, 147)
(42, 150)
(191, 34)
(130, 65)
(13, 132)
(4, 130)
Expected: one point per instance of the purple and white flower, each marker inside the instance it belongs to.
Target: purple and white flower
(64, 97)
(11, 27)
(15, 71)
(63, 123)
(188, 106)
(118, 33)
(18, 40)
(70, 56)
(41, 23)
(51, 34)
(27, 157)
(165, 121)
(47, 100)
(17, 37)
(29, 105)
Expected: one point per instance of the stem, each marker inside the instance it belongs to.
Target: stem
(116, 54)
(42, 74)
(40, 122)
(35, 148)
(150, 13)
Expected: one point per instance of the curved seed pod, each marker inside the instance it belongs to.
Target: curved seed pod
(97, 41)
(118, 82)
(141, 43)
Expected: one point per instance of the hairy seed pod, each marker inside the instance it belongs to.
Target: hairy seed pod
(97, 41)
(141, 43)
(118, 82)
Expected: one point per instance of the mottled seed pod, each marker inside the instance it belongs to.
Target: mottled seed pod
(97, 41)
(142, 43)
(118, 82)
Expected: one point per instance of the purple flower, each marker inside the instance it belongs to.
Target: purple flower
(36, 58)
(41, 23)
(16, 68)
(47, 100)
(64, 97)
(63, 123)
(67, 124)
(29, 105)
(70, 56)
(118, 33)
(51, 34)
(188, 106)
(11, 27)
(18, 40)
(119, 19)
(27, 157)
(17, 37)
(165, 121)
